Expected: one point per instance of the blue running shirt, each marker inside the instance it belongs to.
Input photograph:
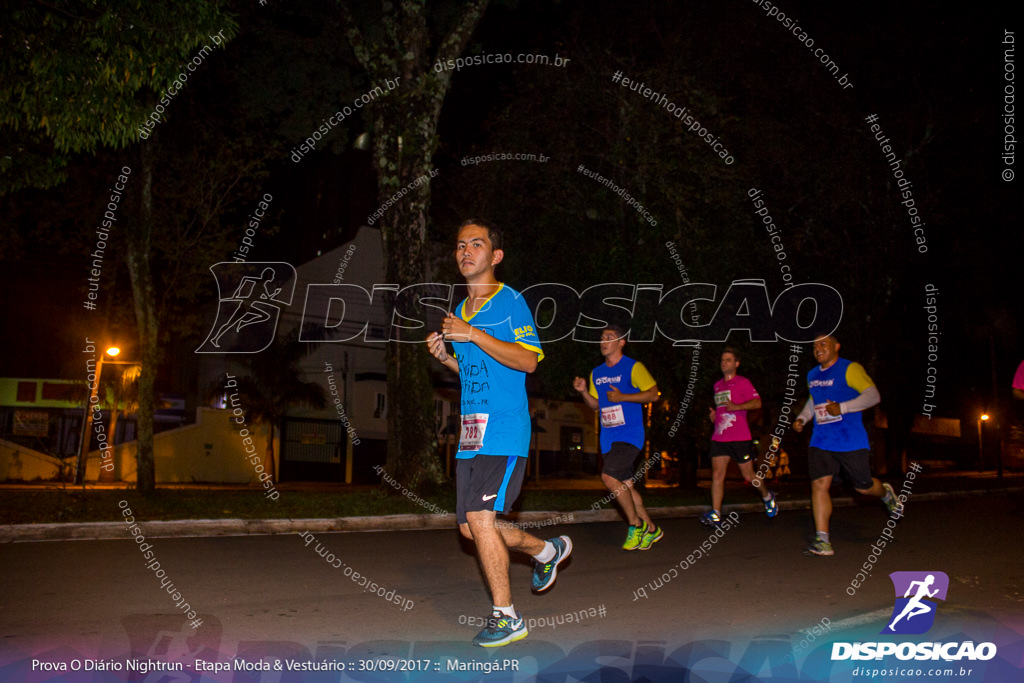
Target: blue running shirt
(495, 412)
(844, 381)
(620, 421)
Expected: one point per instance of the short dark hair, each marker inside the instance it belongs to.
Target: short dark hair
(733, 350)
(619, 330)
(493, 231)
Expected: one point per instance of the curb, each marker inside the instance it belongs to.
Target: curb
(208, 528)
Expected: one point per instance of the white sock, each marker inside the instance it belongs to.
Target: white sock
(546, 555)
(509, 611)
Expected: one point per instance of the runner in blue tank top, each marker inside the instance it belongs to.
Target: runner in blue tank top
(618, 388)
(840, 390)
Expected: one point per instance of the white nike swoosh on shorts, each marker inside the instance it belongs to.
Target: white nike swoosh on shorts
(493, 495)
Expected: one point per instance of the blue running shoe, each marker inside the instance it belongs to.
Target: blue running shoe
(711, 518)
(544, 573)
(501, 630)
(770, 507)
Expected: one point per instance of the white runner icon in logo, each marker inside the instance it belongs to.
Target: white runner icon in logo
(915, 606)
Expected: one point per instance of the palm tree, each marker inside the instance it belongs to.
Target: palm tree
(270, 385)
(120, 397)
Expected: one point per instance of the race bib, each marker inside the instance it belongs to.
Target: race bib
(822, 417)
(722, 397)
(612, 416)
(473, 428)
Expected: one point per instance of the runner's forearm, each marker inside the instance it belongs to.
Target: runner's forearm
(867, 399)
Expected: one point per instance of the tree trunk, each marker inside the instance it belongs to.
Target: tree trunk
(412, 447)
(270, 453)
(405, 137)
(138, 254)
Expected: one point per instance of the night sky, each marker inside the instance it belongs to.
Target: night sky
(933, 76)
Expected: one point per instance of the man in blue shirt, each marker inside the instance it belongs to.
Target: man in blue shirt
(495, 345)
(617, 389)
(840, 390)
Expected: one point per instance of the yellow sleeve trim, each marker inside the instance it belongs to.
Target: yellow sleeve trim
(641, 378)
(531, 347)
(858, 378)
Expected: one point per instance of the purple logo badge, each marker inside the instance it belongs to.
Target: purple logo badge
(914, 611)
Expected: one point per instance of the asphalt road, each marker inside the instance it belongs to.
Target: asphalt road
(742, 606)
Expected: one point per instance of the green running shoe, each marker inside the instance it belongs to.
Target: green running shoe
(634, 536)
(819, 547)
(893, 505)
(651, 537)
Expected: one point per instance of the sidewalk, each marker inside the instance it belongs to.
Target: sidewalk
(924, 487)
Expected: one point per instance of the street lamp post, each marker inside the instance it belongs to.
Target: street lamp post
(981, 442)
(83, 448)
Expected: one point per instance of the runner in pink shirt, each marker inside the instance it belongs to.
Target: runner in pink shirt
(734, 396)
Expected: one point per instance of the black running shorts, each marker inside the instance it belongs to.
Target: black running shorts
(740, 451)
(487, 482)
(855, 465)
(620, 460)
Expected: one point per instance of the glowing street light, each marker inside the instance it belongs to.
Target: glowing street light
(981, 446)
(83, 449)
